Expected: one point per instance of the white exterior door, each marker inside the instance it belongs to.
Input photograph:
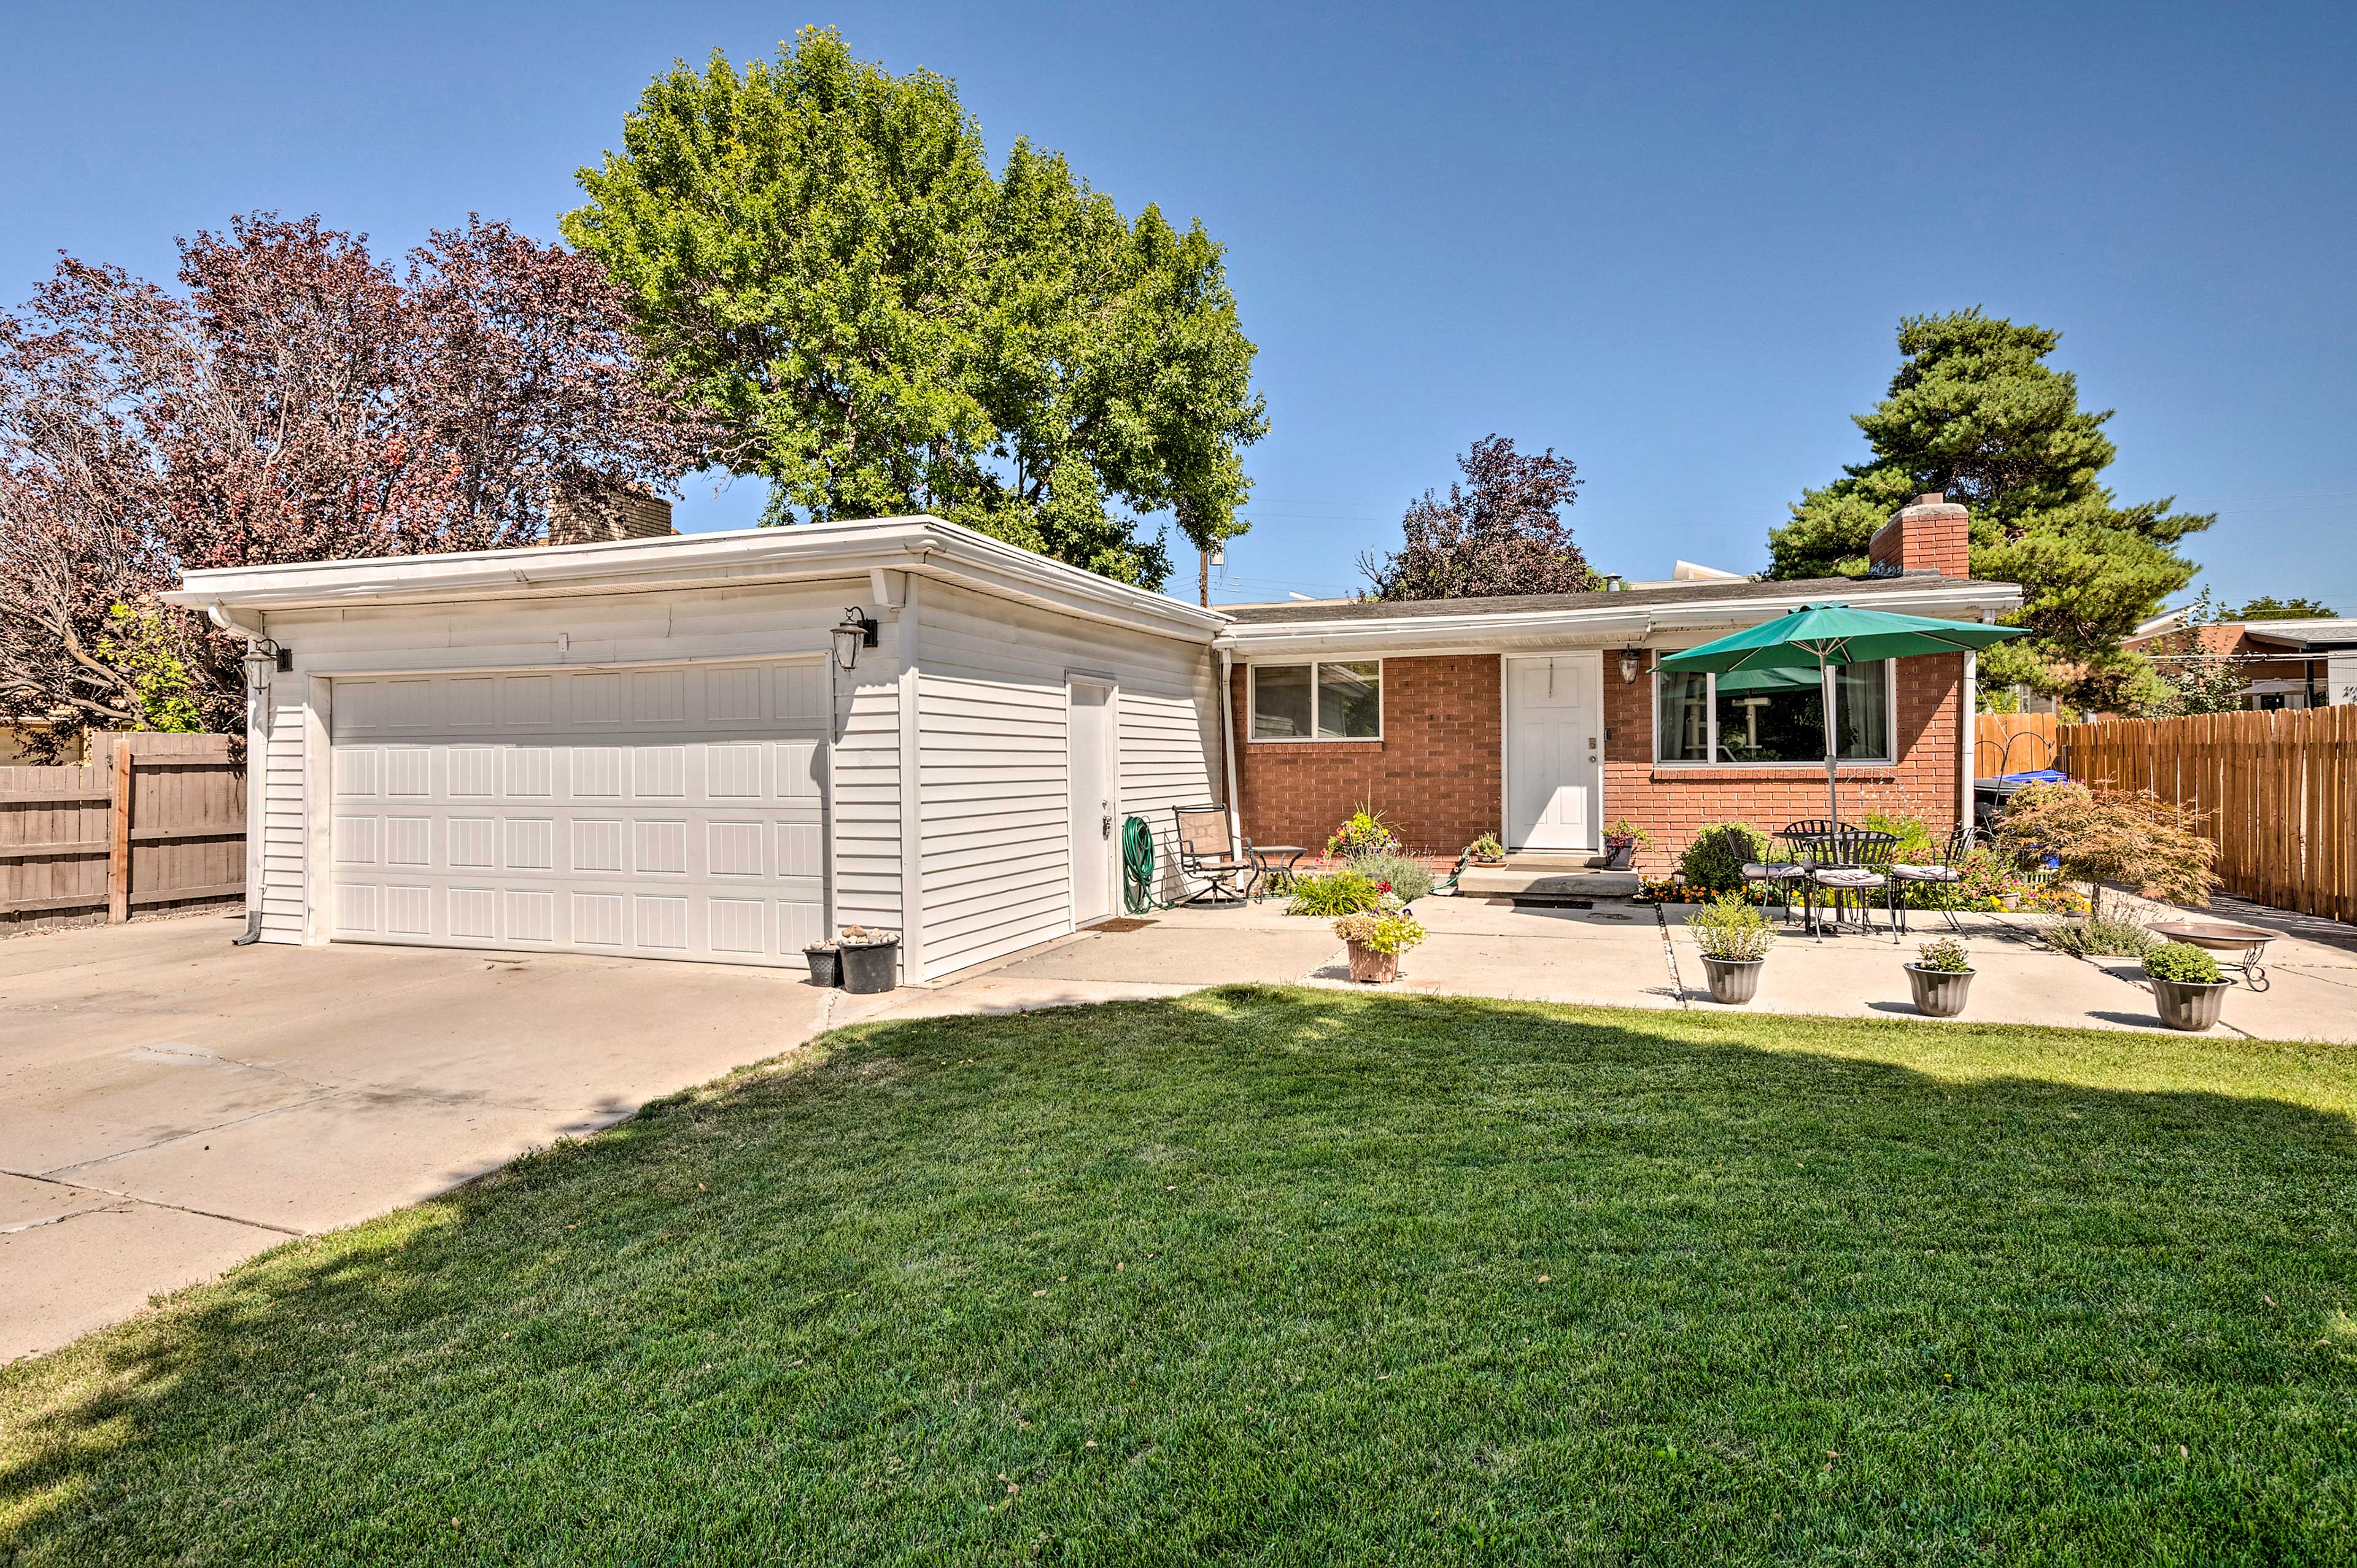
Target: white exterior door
(674, 812)
(1554, 772)
(1089, 734)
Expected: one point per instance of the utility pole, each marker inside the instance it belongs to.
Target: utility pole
(1203, 578)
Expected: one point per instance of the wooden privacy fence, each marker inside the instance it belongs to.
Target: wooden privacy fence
(2012, 743)
(2281, 786)
(155, 818)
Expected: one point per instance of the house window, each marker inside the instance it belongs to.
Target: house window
(1771, 716)
(1323, 701)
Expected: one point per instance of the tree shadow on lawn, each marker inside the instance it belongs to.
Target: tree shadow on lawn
(1307, 1276)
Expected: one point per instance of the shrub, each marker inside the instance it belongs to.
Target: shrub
(1336, 892)
(1943, 955)
(2103, 936)
(1411, 879)
(1385, 931)
(2182, 962)
(1916, 843)
(1716, 858)
(2139, 840)
(1730, 927)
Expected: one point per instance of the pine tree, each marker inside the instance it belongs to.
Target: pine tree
(1976, 412)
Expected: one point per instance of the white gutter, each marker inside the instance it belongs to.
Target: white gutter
(807, 552)
(1228, 747)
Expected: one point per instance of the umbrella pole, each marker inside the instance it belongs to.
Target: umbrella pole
(1833, 743)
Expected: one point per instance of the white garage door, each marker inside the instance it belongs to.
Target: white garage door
(671, 812)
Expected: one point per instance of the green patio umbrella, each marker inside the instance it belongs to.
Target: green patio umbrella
(1825, 638)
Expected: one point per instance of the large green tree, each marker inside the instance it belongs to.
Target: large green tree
(823, 258)
(1975, 411)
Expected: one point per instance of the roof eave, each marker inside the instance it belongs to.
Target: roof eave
(1594, 625)
(922, 544)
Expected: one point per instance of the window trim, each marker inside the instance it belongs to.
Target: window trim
(1710, 714)
(1252, 703)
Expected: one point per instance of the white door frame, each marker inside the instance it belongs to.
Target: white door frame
(1075, 838)
(1506, 662)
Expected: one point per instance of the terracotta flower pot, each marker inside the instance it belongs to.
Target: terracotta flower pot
(1938, 993)
(1371, 968)
(1733, 981)
(2187, 1005)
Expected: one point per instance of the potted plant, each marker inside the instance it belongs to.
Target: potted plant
(1734, 938)
(2187, 988)
(1620, 841)
(871, 959)
(1940, 977)
(1486, 850)
(1365, 833)
(1376, 937)
(825, 960)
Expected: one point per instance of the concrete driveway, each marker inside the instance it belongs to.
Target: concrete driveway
(170, 1104)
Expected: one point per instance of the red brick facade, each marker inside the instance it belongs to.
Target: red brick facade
(1932, 535)
(1435, 774)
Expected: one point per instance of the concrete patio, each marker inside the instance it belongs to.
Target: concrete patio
(1635, 955)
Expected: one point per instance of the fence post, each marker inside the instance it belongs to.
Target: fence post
(118, 847)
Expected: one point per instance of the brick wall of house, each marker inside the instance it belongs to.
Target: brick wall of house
(1433, 775)
(1671, 802)
(1436, 776)
(1929, 534)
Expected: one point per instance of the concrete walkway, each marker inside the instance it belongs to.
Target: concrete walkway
(170, 1105)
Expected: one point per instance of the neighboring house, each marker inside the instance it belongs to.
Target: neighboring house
(654, 747)
(2284, 663)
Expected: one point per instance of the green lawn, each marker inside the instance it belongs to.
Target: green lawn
(1295, 1277)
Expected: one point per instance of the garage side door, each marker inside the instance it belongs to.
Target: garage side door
(673, 812)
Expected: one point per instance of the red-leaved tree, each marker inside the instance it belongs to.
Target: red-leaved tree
(292, 401)
(1499, 531)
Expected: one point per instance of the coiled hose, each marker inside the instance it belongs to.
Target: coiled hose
(1137, 865)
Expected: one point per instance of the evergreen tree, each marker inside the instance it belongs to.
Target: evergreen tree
(1976, 412)
(2269, 607)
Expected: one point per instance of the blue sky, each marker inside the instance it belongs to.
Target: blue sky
(1673, 242)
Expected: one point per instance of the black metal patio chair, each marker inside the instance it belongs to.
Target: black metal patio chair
(1945, 871)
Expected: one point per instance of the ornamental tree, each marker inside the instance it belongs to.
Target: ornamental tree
(291, 401)
(1974, 411)
(1500, 531)
(2134, 839)
(820, 254)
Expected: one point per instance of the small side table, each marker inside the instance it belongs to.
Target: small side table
(1265, 856)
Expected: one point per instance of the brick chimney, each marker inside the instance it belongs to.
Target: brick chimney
(1927, 536)
(589, 508)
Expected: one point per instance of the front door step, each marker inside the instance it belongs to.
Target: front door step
(1551, 875)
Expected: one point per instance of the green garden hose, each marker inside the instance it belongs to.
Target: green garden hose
(1137, 865)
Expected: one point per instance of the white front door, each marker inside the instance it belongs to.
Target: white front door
(1553, 725)
(1089, 734)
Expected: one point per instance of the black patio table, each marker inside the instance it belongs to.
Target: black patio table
(1272, 876)
(1821, 850)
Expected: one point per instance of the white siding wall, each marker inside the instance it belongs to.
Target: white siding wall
(597, 630)
(996, 813)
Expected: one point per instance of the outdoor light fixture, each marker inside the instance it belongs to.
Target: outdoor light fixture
(1632, 663)
(262, 658)
(857, 631)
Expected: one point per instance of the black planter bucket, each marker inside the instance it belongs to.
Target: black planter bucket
(868, 970)
(826, 965)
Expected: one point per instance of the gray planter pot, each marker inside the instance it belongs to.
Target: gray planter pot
(826, 965)
(873, 967)
(1733, 981)
(1939, 993)
(1619, 855)
(2187, 1005)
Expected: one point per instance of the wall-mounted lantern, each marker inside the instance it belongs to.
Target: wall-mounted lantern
(856, 632)
(1632, 664)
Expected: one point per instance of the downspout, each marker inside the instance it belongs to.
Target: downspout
(1228, 744)
(257, 708)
